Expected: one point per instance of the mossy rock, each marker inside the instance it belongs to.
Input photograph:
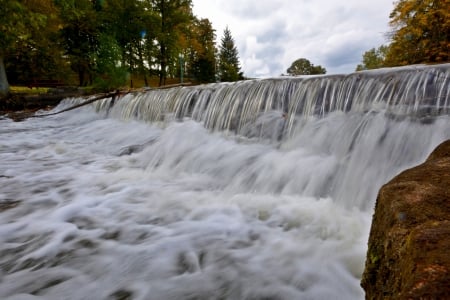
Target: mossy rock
(407, 255)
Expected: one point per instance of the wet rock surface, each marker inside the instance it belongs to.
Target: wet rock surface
(408, 255)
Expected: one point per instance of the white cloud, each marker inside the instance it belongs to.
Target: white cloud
(271, 34)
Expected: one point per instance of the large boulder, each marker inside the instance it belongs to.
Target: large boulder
(409, 244)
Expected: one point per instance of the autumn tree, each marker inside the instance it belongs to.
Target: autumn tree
(203, 51)
(26, 30)
(420, 32)
(80, 36)
(373, 58)
(229, 69)
(302, 66)
(99, 42)
(174, 16)
(145, 46)
(11, 14)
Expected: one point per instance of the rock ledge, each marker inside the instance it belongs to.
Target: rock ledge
(409, 245)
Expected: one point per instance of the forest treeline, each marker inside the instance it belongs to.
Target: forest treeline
(108, 42)
(420, 33)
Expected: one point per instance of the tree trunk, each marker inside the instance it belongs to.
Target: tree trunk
(162, 74)
(4, 85)
(163, 49)
(141, 63)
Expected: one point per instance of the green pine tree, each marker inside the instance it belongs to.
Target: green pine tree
(229, 69)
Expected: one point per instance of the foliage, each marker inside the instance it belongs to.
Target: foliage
(373, 59)
(229, 69)
(202, 56)
(109, 73)
(10, 27)
(421, 32)
(125, 21)
(79, 36)
(101, 42)
(302, 66)
(10, 14)
(174, 17)
(26, 21)
(28, 26)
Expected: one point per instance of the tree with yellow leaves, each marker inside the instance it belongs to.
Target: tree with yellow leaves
(421, 32)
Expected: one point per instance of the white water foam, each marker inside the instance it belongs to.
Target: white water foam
(102, 208)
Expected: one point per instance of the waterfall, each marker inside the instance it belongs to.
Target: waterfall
(414, 91)
(259, 189)
(385, 112)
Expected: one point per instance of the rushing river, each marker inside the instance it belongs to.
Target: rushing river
(104, 202)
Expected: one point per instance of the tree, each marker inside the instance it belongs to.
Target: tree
(109, 74)
(11, 27)
(26, 29)
(100, 40)
(126, 22)
(421, 32)
(203, 52)
(80, 35)
(174, 17)
(373, 59)
(229, 69)
(302, 66)
(4, 85)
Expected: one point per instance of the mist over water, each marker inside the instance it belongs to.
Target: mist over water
(186, 194)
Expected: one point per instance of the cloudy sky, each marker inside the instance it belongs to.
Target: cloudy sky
(271, 34)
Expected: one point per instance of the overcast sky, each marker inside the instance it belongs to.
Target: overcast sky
(271, 34)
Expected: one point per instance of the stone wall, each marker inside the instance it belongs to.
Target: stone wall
(409, 245)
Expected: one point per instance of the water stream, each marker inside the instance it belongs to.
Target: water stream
(260, 189)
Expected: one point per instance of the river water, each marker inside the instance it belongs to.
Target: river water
(102, 203)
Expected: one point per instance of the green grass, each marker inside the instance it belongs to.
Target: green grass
(27, 90)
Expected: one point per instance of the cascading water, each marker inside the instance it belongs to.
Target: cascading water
(259, 189)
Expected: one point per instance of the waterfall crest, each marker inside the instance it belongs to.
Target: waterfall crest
(414, 91)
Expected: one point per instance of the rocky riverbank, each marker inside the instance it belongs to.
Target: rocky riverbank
(29, 101)
(408, 254)
(21, 105)
(24, 103)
